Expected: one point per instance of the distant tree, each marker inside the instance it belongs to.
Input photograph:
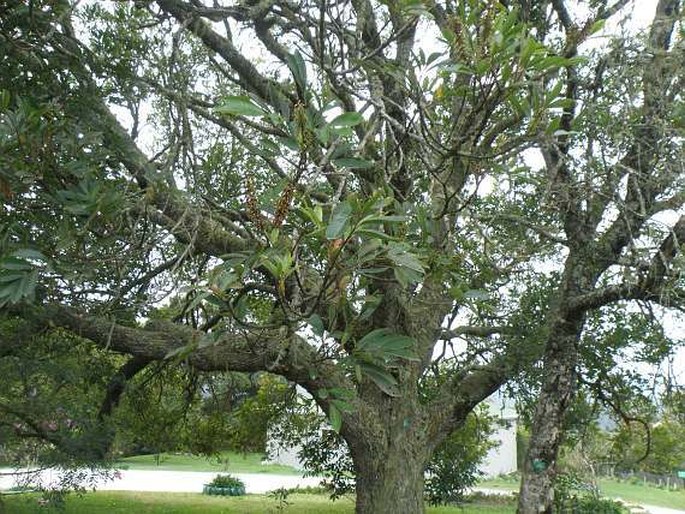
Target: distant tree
(654, 445)
(48, 396)
(627, 429)
(674, 403)
(362, 196)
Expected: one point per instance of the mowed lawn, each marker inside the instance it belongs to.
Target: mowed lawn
(646, 494)
(121, 502)
(227, 462)
(634, 493)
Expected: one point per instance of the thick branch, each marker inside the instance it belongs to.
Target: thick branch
(649, 287)
(274, 350)
(249, 77)
(476, 331)
(664, 22)
(645, 180)
(187, 223)
(461, 395)
(117, 384)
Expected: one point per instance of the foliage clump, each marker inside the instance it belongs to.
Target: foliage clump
(575, 496)
(225, 485)
(453, 469)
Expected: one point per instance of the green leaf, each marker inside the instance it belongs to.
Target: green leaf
(10, 277)
(289, 142)
(407, 268)
(384, 219)
(382, 343)
(15, 287)
(370, 305)
(334, 417)
(346, 120)
(15, 264)
(268, 147)
(298, 69)
(216, 301)
(342, 394)
(323, 134)
(338, 221)
(434, 57)
(353, 163)
(313, 214)
(225, 280)
(401, 257)
(239, 105)
(597, 26)
(28, 253)
(369, 251)
(406, 276)
(384, 380)
(341, 405)
(375, 234)
(562, 103)
(372, 271)
(316, 323)
(199, 297)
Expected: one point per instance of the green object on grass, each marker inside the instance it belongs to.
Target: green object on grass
(237, 490)
(225, 485)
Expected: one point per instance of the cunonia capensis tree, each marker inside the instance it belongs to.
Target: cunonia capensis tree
(362, 196)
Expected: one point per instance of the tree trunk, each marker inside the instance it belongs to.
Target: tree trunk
(389, 447)
(392, 482)
(558, 388)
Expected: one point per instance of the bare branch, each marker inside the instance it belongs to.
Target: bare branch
(650, 286)
(249, 77)
(476, 331)
(564, 16)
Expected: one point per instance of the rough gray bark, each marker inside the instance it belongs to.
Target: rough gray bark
(559, 386)
(391, 481)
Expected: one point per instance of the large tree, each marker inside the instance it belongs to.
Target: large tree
(399, 206)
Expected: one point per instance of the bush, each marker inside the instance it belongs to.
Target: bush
(592, 505)
(225, 485)
(280, 496)
(310, 489)
(453, 467)
(574, 496)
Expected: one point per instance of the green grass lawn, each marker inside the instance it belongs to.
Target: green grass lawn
(227, 462)
(647, 494)
(186, 503)
(610, 488)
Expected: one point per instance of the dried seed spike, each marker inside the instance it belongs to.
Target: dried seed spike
(253, 211)
(283, 205)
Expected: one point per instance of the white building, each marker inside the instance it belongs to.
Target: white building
(501, 459)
